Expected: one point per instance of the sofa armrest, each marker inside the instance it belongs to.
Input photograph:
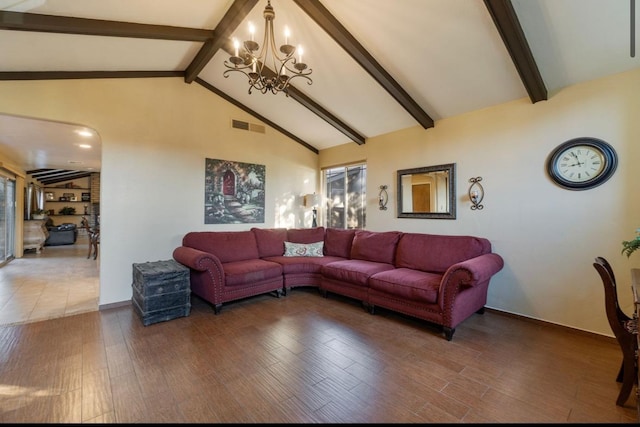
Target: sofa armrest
(196, 259)
(480, 268)
(206, 277)
(468, 273)
(199, 260)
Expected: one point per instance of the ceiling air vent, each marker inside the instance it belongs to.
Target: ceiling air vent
(238, 124)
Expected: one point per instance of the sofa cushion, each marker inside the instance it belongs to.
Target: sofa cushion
(270, 241)
(228, 246)
(305, 235)
(250, 271)
(353, 271)
(375, 246)
(408, 284)
(436, 253)
(297, 265)
(303, 249)
(337, 242)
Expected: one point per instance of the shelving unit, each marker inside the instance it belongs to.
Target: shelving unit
(76, 197)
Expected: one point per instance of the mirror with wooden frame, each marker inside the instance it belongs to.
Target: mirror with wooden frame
(427, 192)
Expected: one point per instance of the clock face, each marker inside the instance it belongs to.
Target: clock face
(582, 163)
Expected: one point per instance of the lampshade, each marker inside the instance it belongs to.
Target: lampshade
(311, 200)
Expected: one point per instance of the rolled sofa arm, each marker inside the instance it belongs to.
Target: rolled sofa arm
(480, 268)
(468, 273)
(207, 276)
(194, 258)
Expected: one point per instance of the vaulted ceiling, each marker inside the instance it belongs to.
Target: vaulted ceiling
(378, 65)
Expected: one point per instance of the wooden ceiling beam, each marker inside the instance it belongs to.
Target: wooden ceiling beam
(325, 115)
(339, 33)
(213, 41)
(62, 75)
(238, 11)
(18, 21)
(52, 176)
(254, 114)
(227, 25)
(508, 25)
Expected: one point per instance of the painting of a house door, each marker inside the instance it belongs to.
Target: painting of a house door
(229, 184)
(233, 192)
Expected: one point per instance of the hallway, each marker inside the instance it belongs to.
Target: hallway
(58, 282)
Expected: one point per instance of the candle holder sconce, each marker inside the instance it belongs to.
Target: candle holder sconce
(383, 198)
(476, 193)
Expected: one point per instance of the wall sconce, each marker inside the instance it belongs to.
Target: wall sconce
(383, 198)
(312, 200)
(476, 193)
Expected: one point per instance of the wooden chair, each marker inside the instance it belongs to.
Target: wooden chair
(94, 237)
(624, 328)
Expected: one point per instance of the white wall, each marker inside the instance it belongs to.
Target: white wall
(156, 134)
(547, 235)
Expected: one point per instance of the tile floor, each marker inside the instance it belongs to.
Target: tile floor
(59, 281)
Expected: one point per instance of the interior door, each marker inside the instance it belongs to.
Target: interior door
(421, 196)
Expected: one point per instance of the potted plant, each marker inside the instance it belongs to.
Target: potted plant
(630, 246)
(67, 210)
(38, 213)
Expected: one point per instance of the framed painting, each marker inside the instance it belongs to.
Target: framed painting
(233, 192)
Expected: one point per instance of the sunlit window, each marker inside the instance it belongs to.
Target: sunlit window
(345, 193)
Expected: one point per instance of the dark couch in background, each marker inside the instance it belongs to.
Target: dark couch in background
(441, 279)
(64, 234)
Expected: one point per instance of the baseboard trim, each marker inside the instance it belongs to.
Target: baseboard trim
(114, 305)
(548, 324)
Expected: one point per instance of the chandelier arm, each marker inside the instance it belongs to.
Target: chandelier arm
(309, 81)
(295, 71)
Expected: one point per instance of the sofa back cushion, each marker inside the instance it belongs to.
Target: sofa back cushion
(305, 235)
(436, 253)
(338, 241)
(270, 241)
(228, 246)
(375, 246)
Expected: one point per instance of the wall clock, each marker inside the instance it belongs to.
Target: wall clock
(582, 163)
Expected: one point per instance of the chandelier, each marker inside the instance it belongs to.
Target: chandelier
(255, 66)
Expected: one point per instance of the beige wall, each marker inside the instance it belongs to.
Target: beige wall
(156, 134)
(548, 236)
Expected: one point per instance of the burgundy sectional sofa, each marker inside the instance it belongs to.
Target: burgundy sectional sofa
(441, 279)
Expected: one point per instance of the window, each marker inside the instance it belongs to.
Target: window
(345, 192)
(7, 218)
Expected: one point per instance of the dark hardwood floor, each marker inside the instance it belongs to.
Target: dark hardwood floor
(304, 359)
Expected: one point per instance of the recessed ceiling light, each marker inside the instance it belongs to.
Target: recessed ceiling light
(84, 132)
(84, 146)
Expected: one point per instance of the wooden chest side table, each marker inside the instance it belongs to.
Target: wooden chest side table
(161, 291)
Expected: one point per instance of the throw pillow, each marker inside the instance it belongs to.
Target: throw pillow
(303, 249)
